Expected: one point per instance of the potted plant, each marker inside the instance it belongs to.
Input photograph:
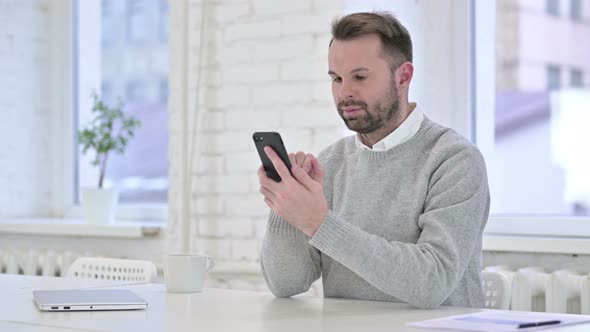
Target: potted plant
(108, 131)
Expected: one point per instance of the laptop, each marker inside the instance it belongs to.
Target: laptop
(88, 299)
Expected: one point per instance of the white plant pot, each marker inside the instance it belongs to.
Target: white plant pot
(100, 205)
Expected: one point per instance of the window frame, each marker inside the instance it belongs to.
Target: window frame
(64, 65)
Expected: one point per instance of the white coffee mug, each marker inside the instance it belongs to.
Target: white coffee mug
(186, 273)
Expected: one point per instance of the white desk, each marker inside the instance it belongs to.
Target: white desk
(211, 310)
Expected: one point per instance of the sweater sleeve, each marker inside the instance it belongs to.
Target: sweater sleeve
(425, 273)
(289, 264)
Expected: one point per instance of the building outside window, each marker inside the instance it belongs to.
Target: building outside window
(576, 78)
(163, 20)
(576, 10)
(553, 77)
(552, 7)
(138, 21)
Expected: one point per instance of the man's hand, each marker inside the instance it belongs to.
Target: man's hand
(298, 199)
(310, 165)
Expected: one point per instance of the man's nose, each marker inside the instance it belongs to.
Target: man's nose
(346, 91)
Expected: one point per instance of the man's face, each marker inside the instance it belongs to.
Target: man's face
(363, 86)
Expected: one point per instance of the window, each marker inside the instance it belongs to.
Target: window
(537, 168)
(120, 70)
(576, 78)
(553, 77)
(163, 90)
(163, 20)
(138, 20)
(135, 90)
(106, 92)
(552, 7)
(108, 22)
(576, 10)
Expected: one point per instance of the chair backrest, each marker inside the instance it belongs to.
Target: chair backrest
(501, 268)
(496, 290)
(113, 269)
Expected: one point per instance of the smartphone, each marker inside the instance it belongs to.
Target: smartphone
(272, 139)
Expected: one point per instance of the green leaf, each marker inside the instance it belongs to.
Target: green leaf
(108, 131)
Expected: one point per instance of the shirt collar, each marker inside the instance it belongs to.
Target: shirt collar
(404, 132)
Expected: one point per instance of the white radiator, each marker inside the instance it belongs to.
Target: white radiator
(31, 262)
(534, 289)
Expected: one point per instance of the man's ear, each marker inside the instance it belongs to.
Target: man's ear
(405, 72)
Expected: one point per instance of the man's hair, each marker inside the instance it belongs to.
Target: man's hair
(395, 38)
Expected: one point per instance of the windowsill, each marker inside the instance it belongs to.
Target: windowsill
(555, 235)
(137, 229)
(79, 228)
(536, 244)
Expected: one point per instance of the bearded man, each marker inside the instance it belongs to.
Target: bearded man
(393, 213)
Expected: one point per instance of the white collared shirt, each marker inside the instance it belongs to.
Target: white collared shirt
(404, 132)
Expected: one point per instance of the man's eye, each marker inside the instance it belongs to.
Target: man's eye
(360, 78)
(337, 80)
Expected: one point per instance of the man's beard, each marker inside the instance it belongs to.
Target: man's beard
(374, 117)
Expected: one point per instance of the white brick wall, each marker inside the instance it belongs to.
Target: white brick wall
(310, 117)
(248, 73)
(245, 119)
(282, 7)
(25, 164)
(304, 23)
(281, 94)
(305, 70)
(265, 69)
(225, 13)
(284, 48)
(252, 30)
